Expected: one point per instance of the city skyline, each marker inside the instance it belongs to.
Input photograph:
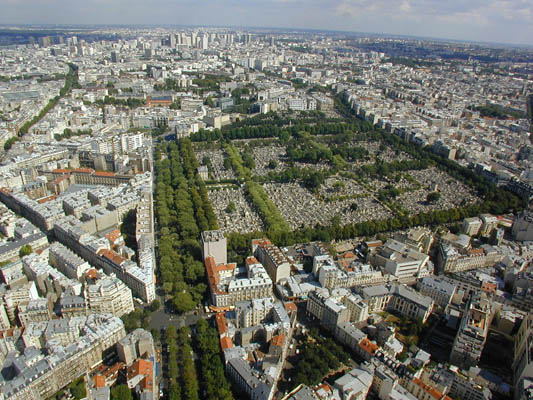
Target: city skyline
(496, 21)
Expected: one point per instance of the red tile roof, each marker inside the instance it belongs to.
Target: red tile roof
(104, 173)
(476, 252)
(142, 367)
(278, 340)
(99, 381)
(251, 260)
(434, 393)
(222, 323)
(262, 242)
(113, 235)
(290, 307)
(226, 343)
(368, 346)
(111, 255)
(92, 273)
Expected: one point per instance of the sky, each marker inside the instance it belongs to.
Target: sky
(499, 21)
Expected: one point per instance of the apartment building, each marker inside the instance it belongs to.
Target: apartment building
(327, 310)
(523, 360)
(472, 226)
(401, 261)
(276, 263)
(473, 331)
(399, 298)
(226, 288)
(67, 262)
(45, 377)
(441, 291)
(109, 295)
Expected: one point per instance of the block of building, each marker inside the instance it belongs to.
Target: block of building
(110, 295)
(275, 262)
(473, 331)
(441, 291)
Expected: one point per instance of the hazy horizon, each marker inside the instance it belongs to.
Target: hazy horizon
(492, 21)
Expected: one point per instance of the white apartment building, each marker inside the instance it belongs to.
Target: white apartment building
(109, 295)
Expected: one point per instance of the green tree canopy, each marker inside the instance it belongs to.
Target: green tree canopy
(25, 250)
(121, 392)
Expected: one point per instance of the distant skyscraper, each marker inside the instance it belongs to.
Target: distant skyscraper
(45, 41)
(114, 57)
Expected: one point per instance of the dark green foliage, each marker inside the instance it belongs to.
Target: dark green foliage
(129, 102)
(433, 197)
(25, 250)
(310, 178)
(155, 334)
(214, 383)
(497, 111)
(136, 319)
(210, 82)
(317, 359)
(77, 388)
(305, 149)
(188, 378)
(183, 211)
(121, 392)
(9, 142)
(230, 208)
(68, 133)
(127, 229)
(388, 193)
(172, 349)
(272, 164)
(155, 305)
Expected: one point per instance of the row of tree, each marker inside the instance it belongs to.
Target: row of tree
(183, 211)
(215, 385)
(498, 111)
(68, 133)
(266, 209)
(130, 102)
(71, 81)
(184, 375)
(10, 142)
(181, 370)
(269, 128)
(239, 244)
